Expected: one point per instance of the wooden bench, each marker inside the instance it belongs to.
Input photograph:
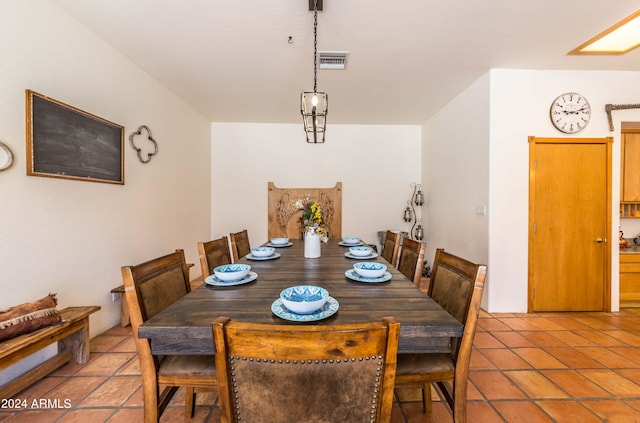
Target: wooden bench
(73, 337)
(124, 308)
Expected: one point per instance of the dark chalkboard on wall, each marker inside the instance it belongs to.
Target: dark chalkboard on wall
(66, 142)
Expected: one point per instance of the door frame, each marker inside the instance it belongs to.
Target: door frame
(533, 141)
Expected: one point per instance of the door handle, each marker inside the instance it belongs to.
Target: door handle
(601, 239)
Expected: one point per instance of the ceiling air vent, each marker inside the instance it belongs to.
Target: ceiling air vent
(332, 59)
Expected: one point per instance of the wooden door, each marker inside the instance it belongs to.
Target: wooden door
(569, 224)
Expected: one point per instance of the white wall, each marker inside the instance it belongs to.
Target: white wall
(375, 164)
(72, 237)
(455, 166)
(519, 107)
(512, 120)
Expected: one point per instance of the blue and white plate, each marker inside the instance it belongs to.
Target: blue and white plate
(344, 244)
(354, 276)
(213, 280)
(271, 257)
(288, 244)
(327, 310)
(348, 254)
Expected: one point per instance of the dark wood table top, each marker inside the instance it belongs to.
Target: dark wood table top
(185, 326)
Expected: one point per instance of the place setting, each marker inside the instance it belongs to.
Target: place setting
(279, 243)
(361, 252)
(262, 253)
(350, 241)
(304, 303)
(368, 272)
(231, 275)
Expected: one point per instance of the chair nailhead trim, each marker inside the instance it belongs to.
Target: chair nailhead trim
(376, 387)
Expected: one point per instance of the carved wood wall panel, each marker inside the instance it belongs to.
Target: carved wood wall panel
(283, 216)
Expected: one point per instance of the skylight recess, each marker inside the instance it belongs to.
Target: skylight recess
(621, 38)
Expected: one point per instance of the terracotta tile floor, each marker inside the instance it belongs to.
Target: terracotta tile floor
(549, 367)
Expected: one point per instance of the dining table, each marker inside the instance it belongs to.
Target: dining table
(184, 328)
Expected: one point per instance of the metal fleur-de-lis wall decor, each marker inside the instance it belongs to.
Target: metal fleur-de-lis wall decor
(149, 137)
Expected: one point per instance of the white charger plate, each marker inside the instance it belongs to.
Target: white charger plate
(344, 244)
(213, 280)
(288, 244)
(327, 310)
(353, 275)
(373, 255)
(271, 257)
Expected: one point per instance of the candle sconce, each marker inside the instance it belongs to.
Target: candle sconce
(417, 199)
(418, 233)
(407, 215)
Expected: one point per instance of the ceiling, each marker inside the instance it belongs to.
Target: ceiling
(231, 59)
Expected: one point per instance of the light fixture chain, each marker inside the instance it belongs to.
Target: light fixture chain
(315, 46)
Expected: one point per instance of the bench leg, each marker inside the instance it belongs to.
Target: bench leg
(124, 312)
(78, 342)
(34, 375)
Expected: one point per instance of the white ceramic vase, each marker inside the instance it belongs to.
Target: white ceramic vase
(311, 243)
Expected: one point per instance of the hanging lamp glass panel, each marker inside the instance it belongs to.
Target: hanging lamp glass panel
(314, 106)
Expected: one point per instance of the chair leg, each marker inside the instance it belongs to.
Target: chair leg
(426, 398)
(154, 405)
(460, 404)
(190, 402)
(151, 406)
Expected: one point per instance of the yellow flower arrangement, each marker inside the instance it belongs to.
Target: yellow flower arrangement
(312, 216)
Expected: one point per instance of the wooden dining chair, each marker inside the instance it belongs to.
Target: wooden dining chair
(300, 373)
(390, 247)
(150, 287)
(457, 285)
(411, 259)
(240, 246)
(212, 254)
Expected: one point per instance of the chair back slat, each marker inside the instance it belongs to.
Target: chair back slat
(212, 254)
(240, 245)
(390, 247)
(412, 259)
(156, 294)
(451, 291)
(153, 285)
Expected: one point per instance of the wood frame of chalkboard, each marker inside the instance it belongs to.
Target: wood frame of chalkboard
(66, 142)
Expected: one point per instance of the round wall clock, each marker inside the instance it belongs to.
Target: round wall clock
(570, 113)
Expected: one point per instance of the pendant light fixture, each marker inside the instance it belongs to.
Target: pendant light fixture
(314, 105)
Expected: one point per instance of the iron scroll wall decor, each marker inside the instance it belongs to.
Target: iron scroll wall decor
(8, 160)
(610, 107)
(139, 150)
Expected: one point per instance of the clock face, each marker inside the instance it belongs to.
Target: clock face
(570, 113)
